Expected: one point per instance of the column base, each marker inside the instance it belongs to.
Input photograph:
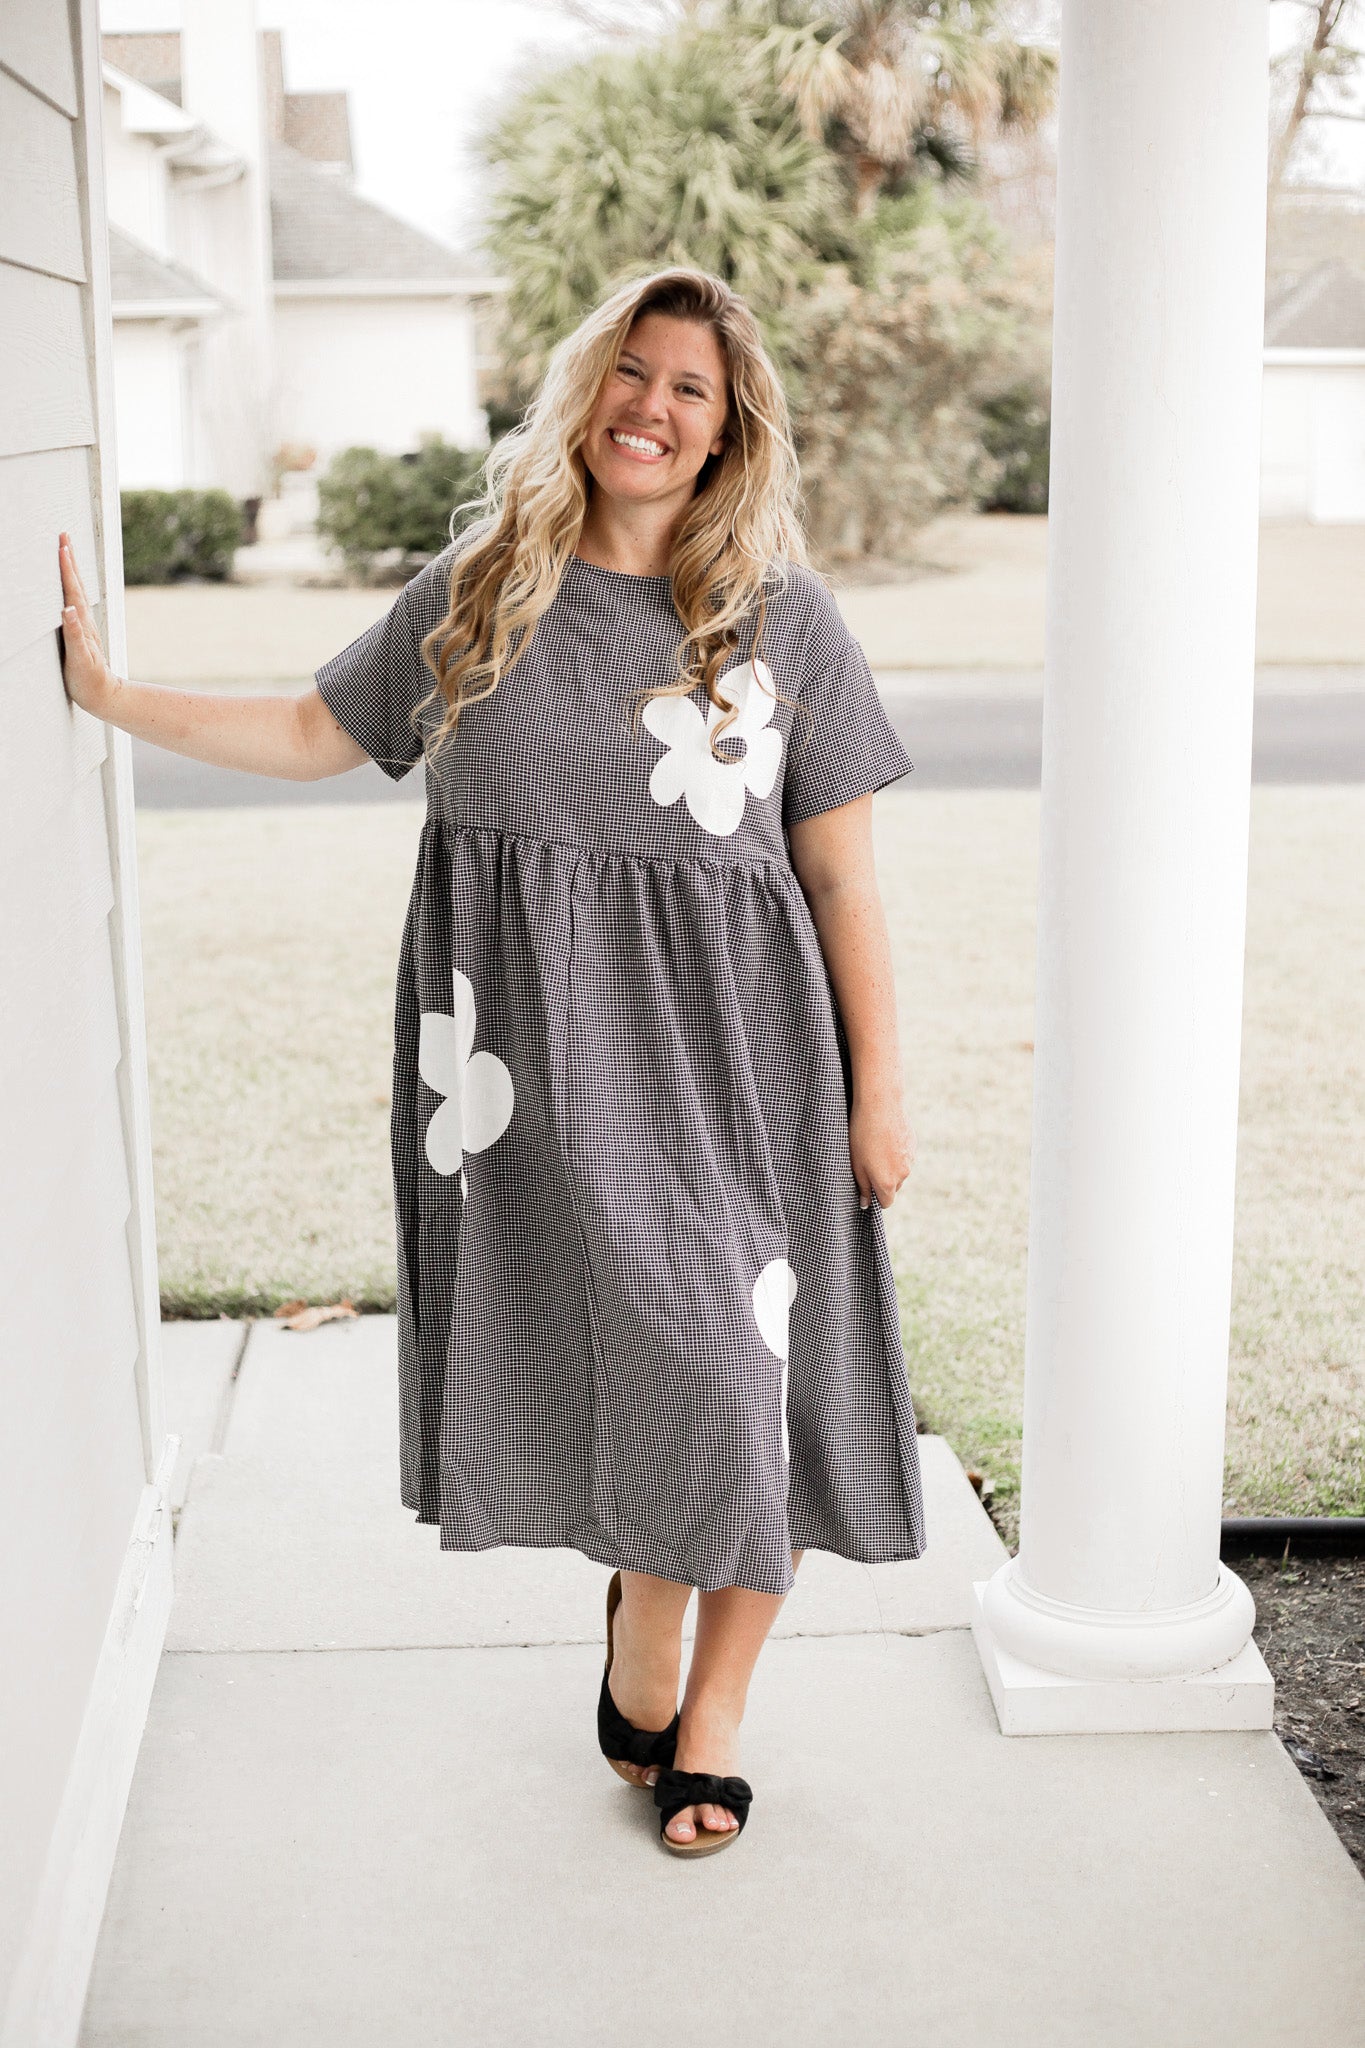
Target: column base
(1239, 1694)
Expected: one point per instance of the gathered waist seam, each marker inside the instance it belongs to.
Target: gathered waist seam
(434, 821)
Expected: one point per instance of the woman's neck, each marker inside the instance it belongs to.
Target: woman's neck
(636, 540)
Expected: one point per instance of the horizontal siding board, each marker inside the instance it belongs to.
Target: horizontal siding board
(47, 1320)
(40, 203)
(69, 1120)
(62, 934)
(58, 895)
(42, 496)
(68, 1344)
(35, 41)
(58, 744)
(44, 372)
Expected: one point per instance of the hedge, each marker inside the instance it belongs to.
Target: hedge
(371, 504)
(168, 535)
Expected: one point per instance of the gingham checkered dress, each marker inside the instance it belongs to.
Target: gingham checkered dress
(641, 1311)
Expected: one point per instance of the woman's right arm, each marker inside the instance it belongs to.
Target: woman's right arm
(296, 738)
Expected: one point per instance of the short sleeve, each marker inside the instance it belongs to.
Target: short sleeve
(842, 743)
(374, 685)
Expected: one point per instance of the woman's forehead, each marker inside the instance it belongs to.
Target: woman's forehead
(679, 343)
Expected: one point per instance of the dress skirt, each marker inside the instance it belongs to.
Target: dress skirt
(642, 1313)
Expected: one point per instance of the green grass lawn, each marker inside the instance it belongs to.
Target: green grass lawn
(271, 939)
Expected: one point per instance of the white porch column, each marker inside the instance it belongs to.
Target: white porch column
(1116, 1612)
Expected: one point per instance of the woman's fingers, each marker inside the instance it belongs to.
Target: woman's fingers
(71, 577)
(73, 588)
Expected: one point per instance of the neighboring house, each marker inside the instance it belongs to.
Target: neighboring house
(85, 1524)
(262, 308)
(1313, 397)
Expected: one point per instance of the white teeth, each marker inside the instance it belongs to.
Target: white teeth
(639, 441)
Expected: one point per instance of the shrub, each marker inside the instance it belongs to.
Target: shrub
(888, 373)
(168, 535)
(371, 504)
(1015, 433)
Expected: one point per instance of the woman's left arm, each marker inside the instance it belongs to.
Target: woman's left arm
(832, 856)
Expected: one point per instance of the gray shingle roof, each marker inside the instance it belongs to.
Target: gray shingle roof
(322, 229)
(138, 273)
(1324, 309)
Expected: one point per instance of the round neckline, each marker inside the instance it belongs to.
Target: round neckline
(620, 575)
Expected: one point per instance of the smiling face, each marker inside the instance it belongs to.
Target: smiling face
(660, 414)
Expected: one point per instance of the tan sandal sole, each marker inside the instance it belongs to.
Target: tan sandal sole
(623, 1771)
(706, 1842)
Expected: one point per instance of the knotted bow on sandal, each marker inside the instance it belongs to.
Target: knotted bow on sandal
(620, 1741)
(674, 1790)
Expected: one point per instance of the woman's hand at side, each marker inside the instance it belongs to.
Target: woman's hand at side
(296, 738)
(833, 858)
(881, 1144)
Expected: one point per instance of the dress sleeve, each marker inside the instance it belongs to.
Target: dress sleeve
(842, 743)
(374, 685)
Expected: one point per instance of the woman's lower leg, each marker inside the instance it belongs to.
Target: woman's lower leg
(732, 1627)
(647, 1652)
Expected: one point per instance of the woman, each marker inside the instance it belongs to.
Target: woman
(647, 1101)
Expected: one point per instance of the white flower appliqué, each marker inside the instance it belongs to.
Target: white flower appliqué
(774, 1293)
(714, 789)
(478, 1090)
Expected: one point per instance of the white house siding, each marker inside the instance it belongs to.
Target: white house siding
(136, 179)
(1286, 412)
(1339, 441)
(1313, 434)
(355, 370)
(151, 383)
(86, 1582)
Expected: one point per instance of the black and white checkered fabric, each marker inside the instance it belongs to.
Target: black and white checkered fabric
(641, 1311)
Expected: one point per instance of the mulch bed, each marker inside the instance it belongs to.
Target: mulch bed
(1310, 1626)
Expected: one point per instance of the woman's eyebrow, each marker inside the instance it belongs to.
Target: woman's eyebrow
(628, 355)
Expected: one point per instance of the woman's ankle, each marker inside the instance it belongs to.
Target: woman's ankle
(645, 1670)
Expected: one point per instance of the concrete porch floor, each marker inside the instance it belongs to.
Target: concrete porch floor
(369, 1807)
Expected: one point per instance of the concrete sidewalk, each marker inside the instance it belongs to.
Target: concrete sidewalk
(369, 1807)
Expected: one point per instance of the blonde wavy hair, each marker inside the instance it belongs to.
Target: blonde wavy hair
(733, 547)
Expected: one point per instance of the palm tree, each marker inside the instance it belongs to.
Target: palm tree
(890, 82)
(668, 152)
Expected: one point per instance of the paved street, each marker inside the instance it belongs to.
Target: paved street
(963, 730)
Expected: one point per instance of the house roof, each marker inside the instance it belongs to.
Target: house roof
(138, 276)
(1323, 309)
(323, 233)
(322, 229)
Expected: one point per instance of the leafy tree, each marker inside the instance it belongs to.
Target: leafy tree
(678, 151)
(891, 376)
(894, 313)
(897, 84)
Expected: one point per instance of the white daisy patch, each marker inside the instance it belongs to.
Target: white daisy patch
(477, 1087)
(715, 791)
(774, 1293)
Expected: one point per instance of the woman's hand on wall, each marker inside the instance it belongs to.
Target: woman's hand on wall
(296, 738)
(90, 682)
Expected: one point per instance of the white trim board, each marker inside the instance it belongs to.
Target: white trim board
(48, 1992)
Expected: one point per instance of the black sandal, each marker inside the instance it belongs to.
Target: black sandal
(674, 1790)
(619, 1740)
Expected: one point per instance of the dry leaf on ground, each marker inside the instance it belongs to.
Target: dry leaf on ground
(296, 1316)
